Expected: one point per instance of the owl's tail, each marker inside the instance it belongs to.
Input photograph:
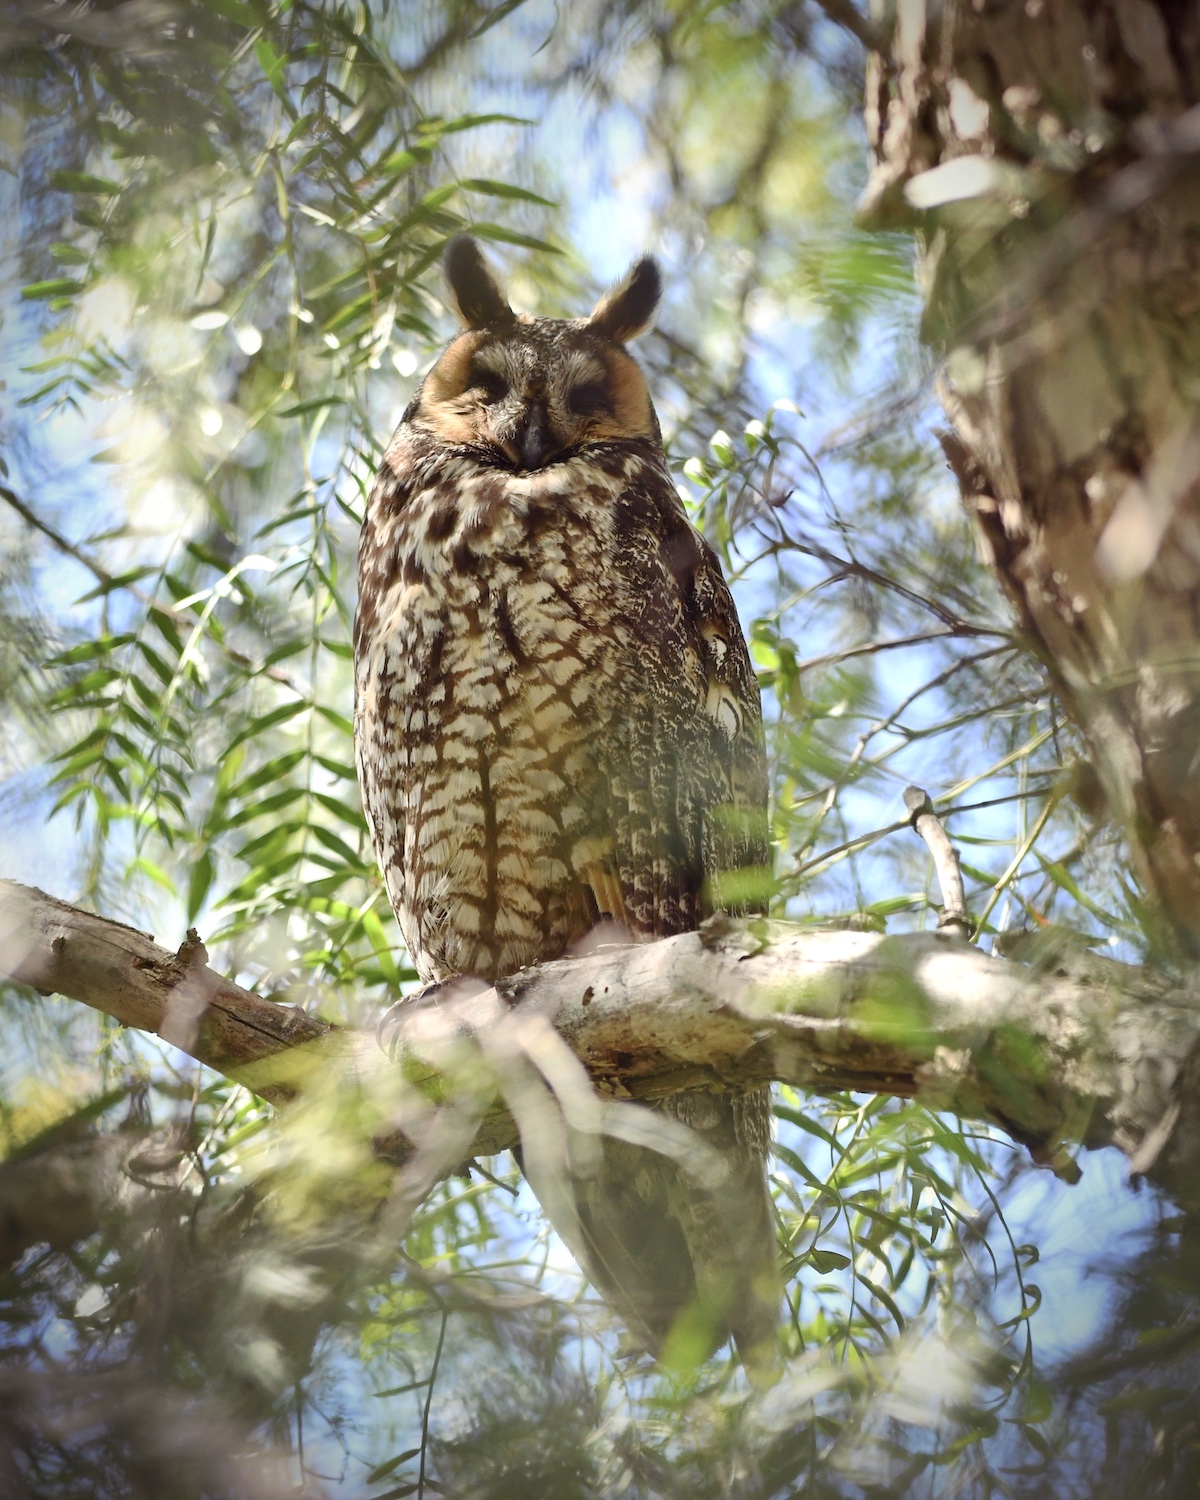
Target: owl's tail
(687, 1266)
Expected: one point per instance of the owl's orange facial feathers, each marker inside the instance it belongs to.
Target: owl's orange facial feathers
(530, 391)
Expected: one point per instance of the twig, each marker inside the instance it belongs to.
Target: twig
(495, 1181)
(953, 916)
(870, 647)
(437, 1359)
(108, 580)
(31, 518)
(827, 855)
(842, 13)
(1018, 857)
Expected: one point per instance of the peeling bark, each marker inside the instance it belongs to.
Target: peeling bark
(1048, 154)
(1064, 1049)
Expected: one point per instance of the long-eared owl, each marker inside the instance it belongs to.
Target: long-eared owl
(557, 727)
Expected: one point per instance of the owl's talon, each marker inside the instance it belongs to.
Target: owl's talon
(391, 1021)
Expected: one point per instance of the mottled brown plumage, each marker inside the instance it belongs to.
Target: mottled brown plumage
(557, 723)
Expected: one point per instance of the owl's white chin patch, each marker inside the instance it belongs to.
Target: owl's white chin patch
(558, 479)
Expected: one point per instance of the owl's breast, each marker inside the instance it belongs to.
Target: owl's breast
(483, 689)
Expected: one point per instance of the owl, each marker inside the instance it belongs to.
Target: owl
(558, 731)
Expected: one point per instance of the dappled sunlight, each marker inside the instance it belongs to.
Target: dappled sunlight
(223, 223)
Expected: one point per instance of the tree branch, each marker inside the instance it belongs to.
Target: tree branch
(843, 13)
(58, 949)
(953, 916)
(1067, 1048)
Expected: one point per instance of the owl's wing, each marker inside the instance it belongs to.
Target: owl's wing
(686, 792)
(684, 776)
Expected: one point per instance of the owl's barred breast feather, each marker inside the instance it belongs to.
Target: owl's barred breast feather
(557, 723)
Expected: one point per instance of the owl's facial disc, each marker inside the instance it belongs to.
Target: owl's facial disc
(535, 393)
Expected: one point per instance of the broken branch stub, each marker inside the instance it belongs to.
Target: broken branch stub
(953, 917)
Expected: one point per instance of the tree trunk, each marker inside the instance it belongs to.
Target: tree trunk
(1049, 152)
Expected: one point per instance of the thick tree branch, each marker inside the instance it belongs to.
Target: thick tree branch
(1064, 1049)
(58, 949)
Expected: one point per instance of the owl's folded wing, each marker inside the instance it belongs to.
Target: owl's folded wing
(684, 763)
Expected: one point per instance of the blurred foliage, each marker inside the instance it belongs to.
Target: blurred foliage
(223, 219)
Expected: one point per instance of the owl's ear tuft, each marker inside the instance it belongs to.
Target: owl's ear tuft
(629, 309)
(474, 292)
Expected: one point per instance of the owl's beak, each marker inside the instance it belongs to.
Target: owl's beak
(534, 439)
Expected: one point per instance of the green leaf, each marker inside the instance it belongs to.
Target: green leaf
(505, 8)
(1039, 1404)
(339, 721)
(273, 839)
(156, 663)
(155, 872)
(392, 1464)
(233, 10)
(825, 1261)
(119, 581)
(83, 182)
(276, 717)
(352, 310)
(504, 190)
(469, 122)
(800, 1166)
(808, 1123)
(271, 804)
(315, 404)
(377, 938)
(437, 197)
(503, 236)
(273, 69)
(722, 448)
(89, 650)
(274, 770)
(338, 846)
(60, 286)
(404, 161)
(262, 876)
(349, 815)
(337, 768)
(199, 882)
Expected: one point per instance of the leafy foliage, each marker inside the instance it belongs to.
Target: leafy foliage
(229, 218)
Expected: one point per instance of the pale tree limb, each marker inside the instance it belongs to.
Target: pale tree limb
(1062, 1050)
(59, 949)
(953, 915)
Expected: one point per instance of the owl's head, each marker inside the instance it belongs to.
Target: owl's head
(526, 392)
